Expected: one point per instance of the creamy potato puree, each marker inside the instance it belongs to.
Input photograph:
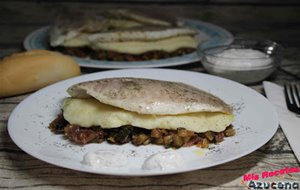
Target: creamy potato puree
(91, 112)
(138, 47)
(79, 41)
(135, 47)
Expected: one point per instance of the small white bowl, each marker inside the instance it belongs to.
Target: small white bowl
(244, 68)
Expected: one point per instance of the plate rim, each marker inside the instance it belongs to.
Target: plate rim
(85, 77)
(185, 59)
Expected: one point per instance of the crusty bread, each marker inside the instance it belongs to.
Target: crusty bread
(29, 71)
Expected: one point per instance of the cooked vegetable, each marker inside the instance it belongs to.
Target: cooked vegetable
(138, 136)
(229, 131)
(120, 135)
(140, 139)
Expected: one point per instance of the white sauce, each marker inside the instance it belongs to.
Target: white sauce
(241, 58)
(105, 158)
(163, 161)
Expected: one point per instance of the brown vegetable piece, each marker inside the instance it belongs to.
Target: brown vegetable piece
(230, 131)
(140, 139)
(203, 143)
(156, 133)
(83, 135)
(219, 137)
(209, 135)
(177, 141)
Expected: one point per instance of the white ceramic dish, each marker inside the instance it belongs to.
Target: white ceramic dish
(211, 34)
(28, 125)
(260, 68)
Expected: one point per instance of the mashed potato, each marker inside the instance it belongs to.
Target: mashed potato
(91, 112)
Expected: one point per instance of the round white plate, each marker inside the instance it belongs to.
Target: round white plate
(28, 125)
(209, 34)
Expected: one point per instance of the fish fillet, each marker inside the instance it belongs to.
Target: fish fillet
(148, 96)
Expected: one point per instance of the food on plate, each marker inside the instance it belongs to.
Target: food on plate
(105, 159)
(29, 71)
(143, 111)
(121, 35)
(163, 161)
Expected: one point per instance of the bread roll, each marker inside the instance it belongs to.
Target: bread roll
(29, 71)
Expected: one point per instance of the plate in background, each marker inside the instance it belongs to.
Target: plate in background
(209, 34)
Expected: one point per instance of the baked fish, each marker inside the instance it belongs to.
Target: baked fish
(148, 96)
(121, 35)
(146, 103)
(144, 111)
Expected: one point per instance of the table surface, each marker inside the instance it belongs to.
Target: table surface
(19, 170)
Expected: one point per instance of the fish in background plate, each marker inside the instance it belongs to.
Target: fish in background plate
(121, 35)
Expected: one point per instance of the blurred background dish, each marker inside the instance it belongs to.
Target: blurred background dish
(246, 61)
(121, 35)
(211, 34)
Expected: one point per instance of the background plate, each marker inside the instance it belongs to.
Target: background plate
(212, 35)
(28, 125)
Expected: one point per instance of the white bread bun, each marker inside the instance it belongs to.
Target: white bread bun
(29, 71)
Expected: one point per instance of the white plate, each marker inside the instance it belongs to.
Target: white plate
(28, 125)
(211, 34)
